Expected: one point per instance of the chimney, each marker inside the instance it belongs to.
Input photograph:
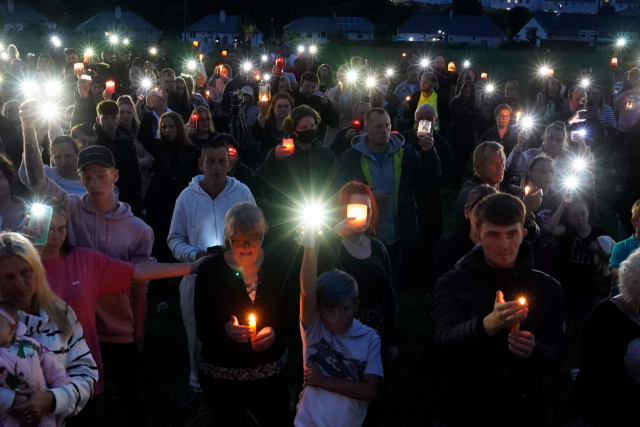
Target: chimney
(223, 16)
(10, 6)
(451, 14)
(118, 12)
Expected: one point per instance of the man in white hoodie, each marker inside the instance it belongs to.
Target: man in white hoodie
(198, 224)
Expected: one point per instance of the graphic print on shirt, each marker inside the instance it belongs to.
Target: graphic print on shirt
(334, 363)
(546, 240)
(580, 252)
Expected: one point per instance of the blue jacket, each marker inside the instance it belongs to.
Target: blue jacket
(414, 173)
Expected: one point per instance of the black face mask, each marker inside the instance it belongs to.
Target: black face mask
(307, 136)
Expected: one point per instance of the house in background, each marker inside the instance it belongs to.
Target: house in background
(318, 28)
(125, 24)
(452, 29)
(18, 17)
(532, 5)
(222, 26)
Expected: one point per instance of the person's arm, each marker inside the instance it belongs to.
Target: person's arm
(146, 137)
(80, 109)
(141, 254)
(178, 238)
(144, 157)
(516, 162)
(32, 157)
(308, 276)
(554, 227)
(82, 369)
(365, 390)
(166, 270)
(330, 114)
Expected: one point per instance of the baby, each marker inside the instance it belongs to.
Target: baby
(24, 363)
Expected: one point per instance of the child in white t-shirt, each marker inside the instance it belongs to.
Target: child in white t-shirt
(343, 367)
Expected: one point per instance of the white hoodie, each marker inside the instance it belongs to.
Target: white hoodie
(198, 221)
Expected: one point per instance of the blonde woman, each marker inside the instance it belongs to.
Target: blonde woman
(51, 322)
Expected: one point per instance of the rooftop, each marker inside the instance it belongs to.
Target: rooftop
(464, 25)
(331, 25)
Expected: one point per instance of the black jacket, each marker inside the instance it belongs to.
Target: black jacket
(220, 293)
(341, 143)
(595, 131)
(124, 152)
(476, 372)
(328, 114)
(444, 112)
(267, 137)
(508, 141)
(84, 112)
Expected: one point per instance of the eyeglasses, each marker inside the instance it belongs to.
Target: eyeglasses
(504, 117)
(238, 243)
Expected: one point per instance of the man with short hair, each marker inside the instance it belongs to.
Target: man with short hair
(120, 141)
(445, 77)
(499, 326)
(168, 80)
(83, 135)
(343, 139)
(400, 176)
(623, 249)
(428, 94)
(97, 221)
(409, 86)
(198, 223)
(576, 118)
(306, 95)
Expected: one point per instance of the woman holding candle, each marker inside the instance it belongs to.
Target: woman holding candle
(610, 357)
(268, 129)
(238, 373)
(200, 127)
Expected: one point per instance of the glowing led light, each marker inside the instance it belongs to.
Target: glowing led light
(246, 66)
(571, 182)
(266, 77)
(370, 81)
(424, 63)
(527, 122)
(146, 83)
(125, 42)
(264, 58)
(543, 71)
(579, 165)
(192, 65)
(313, 49)
(352, 76)
(621, 42)
(114, 39)
(301, 49)
(466, 64)
(38, 210)
(88, 52)
(489, 88)
(390, 72)
(313, 214)
(153, 51)
(4, 56)
(55, 40)
(585, 83)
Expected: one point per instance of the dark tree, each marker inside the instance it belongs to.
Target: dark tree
(467, 7)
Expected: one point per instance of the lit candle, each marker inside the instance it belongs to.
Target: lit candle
(201, 56)
(356, 125)
(483, 76)
(408, 98)
(526, 190)
(233, 153)
(404, 54)
(207, 92)
(515, 328)
(550, 72)
(224, 53)
(359, 212)
(252, 325)
(614, 61)
(288, 144)
(263, 92)
(631, 104)
(518, 115)
(78, 68)
(111, 86)
(452, 66)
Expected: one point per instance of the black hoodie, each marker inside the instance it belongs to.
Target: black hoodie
(479, 380)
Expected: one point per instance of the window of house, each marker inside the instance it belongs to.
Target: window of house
(583, 34)
(323, 35)
(309, 35)
(192, 35)
(359, 36)
(592, 34)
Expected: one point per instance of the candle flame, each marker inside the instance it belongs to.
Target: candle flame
(252, 319)
(522, 301)
(526, 191)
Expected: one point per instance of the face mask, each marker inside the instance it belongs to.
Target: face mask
(307, 136)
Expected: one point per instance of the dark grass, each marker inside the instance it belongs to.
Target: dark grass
(165, 369)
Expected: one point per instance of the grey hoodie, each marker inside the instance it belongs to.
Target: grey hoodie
(384, 182)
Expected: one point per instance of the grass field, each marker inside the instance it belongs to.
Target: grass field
(165, 359)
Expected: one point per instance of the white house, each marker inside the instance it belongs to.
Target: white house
(221, 25)
(18, 17)
(318, 28)
(620, 5)
(533, 5)
(124, 24)
(452, 29)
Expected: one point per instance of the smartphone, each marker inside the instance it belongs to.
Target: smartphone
(40, 220)
(424, 127)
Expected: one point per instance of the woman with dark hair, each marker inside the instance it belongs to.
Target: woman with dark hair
(241, 370)
(195, 98)
(128, 119)
(13, 209)
(182, 105)
(462, 79)
(464, 130)
(604, 112)
(268, 129)
(326, 78)
(550, 101)
(201, 129)
(449, 250)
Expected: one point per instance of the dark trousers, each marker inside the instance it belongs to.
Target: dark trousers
(86, 417)
(123, 364)
(267, 399)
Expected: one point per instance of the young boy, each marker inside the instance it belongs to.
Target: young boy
(622, 250)
(343, 367)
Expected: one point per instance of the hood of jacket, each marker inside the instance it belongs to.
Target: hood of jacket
(194, 185)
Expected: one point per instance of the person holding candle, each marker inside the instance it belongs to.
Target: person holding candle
(477, 361)
(326, 107)
(345, 136)
(609, 356)
(429, 94)
(91, 94)
(334, 394)
(238, 373)
(268, 129)
(200, 127)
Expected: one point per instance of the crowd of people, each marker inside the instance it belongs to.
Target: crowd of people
(295, 201)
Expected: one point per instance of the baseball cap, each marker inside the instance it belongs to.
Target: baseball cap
(96, 154)
(287, 46)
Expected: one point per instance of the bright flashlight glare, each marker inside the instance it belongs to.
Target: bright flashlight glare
(114, 39)
(544, 70)
(246, 66)
(300, 49)
(585, 83)
(371, 81)
(489, 88)
(125, 41)
(424, 62)
(266, 77)
(352, 76)
(55, 40)
(29, 88)
(191, 65)
(582, 133)
(37, 210)
(390, 72)
(571, 182)
(49, 110)
(313, 49)
(621, 42)
(153, 51)
(313, 214)
(466, 64)
(264, 58)
(146, 83)
(579, 164)
(89, 52)
(527, 122)
(4, 56)
(53, 88)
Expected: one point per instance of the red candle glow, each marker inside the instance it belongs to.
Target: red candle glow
(111, 86)
(288, 144)
(356, 125)
(233, 153)
(359, 212)
(614, 61)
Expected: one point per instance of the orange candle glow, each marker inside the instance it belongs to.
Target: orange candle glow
(404, 54)
(111, 86)
(224, 53)
(78, 68)
(207, 93)
(526, 190)
(359, 212)
(516, 327)
(614, 61)
(452, 66)
(550, 72)
(288, 144)
(196, 43)
(253, 326)
(201, 56)
(518, 115)
(483, 75)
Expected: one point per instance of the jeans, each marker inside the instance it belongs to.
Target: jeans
(123, 363)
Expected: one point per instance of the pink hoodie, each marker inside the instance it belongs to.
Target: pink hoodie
(120, 318)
